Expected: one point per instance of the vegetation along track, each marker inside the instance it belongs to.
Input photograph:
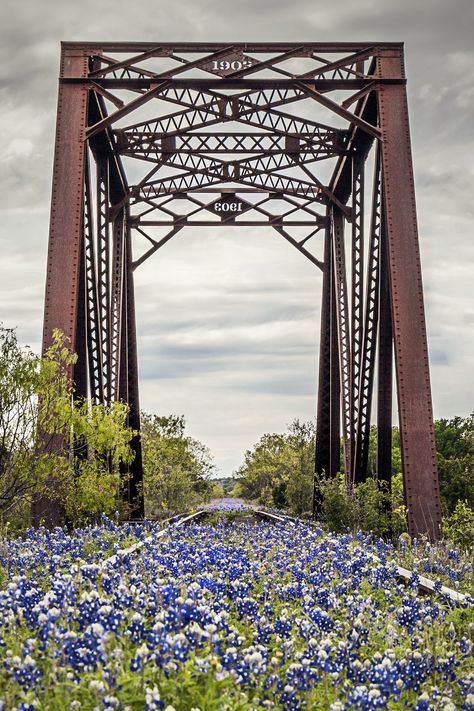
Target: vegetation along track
(231, 610)
(425, 585)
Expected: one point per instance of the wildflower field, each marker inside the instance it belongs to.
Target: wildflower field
(230, 614)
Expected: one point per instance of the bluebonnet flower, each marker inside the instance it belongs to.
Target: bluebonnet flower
(276, 609)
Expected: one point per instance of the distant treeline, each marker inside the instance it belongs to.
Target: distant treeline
(226, 482)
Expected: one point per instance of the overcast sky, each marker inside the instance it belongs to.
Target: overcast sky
(228, 323)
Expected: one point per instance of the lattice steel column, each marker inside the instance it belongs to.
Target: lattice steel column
(367, 368)
(385, 368)
(357, 297)
(328, 459)
(128, 383)
(103, 267)
(94, 349)
(344, 338)
(411, 351)
(116, 316)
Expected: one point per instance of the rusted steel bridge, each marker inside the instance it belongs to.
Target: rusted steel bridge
(311, 140)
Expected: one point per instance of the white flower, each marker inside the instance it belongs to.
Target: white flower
(152, 694)
(97, 685)
(142, 651)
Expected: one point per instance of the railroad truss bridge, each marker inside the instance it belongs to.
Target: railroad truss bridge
(309, 139)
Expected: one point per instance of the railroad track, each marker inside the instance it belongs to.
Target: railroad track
(425, 585)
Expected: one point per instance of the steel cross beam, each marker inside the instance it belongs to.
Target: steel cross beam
(254, 126)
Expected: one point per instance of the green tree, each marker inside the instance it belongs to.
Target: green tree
(177, 468)
(455, 448)
(279, 470)
(265, 471)
(301, 439)
(458, 527)
(396, 452)
(19, 377)
(82, 445)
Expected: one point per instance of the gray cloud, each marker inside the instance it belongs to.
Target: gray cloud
(227, 323)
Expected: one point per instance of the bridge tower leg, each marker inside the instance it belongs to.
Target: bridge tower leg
(89, 282)
(406, 292)
(65, 235)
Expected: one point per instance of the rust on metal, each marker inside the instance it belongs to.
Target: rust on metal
(303, 138)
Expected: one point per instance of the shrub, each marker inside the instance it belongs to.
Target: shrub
(370, 507)
(458, 527)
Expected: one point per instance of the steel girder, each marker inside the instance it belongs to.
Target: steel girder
(255, 129)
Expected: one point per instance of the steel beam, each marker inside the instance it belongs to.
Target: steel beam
(357, 297)
(344, 338)
(328, 449)
(192, 47)
(369, 347)
(385, 368)
(65, 233)
(411, 350)
(133, 489)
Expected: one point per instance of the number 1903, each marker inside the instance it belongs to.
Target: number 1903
(224, 65)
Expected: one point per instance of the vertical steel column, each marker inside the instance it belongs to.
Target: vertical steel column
(103, 266)
(385, 368)
(344, 337)
(411, 351)
(118, 268)
(370, 330)
(65, 234)
(96, 378)
(133, 493)
(64, 251)
(80, 345)
(357, 297)
(80, 366)
(328, 411)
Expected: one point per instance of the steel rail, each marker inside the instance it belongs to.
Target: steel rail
(121, 554)
(425, 585)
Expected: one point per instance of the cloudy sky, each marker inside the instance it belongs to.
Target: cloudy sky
(228, 323)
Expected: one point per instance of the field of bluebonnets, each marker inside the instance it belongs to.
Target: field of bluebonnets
(230, 614)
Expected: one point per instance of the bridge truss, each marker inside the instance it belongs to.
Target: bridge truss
(311, 140)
